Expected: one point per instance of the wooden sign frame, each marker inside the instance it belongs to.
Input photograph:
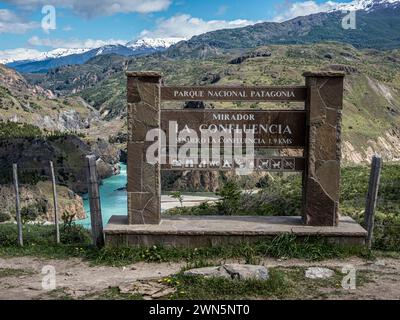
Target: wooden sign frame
(320, 125)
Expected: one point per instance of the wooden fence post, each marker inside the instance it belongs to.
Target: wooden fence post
(94, 200)
(17, 205)
(373, 187)
(53, 179)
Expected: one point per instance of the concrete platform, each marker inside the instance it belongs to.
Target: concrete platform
(198, 231)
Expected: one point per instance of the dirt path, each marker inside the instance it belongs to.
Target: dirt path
(74, 276)
(21, 278)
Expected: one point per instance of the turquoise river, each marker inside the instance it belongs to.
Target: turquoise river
(113, 199)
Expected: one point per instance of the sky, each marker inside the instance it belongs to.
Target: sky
(90, 24)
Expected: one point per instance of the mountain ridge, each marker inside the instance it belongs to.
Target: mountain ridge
(377, 27)
(62, 56)
(379, 31)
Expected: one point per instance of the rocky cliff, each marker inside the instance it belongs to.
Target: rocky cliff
(40, 197)
(67, 153)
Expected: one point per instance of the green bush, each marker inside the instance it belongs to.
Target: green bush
(74, 234)
(18, 130)
(230, 194)
(70, 232)
(29, 213)
(4, 216)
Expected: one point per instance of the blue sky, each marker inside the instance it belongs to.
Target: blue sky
(82, 23)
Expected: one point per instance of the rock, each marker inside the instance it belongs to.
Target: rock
(380, 263)
(209, 272)
(319, 273)
(232, 271)
(71, 194)
(193, 180)
(163, 293)
(103, 169)
(39, 196)
(328, 55)
(211, 78)
(123, 156)
(148, 289)
(247, 271)
(71, 120)
(254, 54)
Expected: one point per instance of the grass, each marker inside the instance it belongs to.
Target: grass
(283, 283)
(200, 288)
(39, 242)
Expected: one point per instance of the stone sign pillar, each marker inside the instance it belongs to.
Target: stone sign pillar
(144, 188)
(322, 175)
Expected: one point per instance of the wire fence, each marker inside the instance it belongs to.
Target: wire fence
(36, 195)
(283, 195)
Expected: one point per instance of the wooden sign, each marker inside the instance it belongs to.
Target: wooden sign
(234, 93)
(271, 128)
(316, 130)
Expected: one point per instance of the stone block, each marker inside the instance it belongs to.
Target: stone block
(143, 96)
(322, 175)
(143, 208)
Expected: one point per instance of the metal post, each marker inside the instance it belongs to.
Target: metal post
(94, 200)
(17, 205)
(373, 187)
(53, 179)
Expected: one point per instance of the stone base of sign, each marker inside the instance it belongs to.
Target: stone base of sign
(193, 231)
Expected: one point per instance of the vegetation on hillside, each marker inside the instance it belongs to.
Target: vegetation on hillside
(371, 117)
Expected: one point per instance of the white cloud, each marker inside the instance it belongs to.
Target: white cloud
(98, 7)
(72, 42)
(18, 54)
(11, 23)
(186, 26)
(297, 9)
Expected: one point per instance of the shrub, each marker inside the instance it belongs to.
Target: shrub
(74, 234)
(29, 213)
(70, 232)
(230, 197)
(4, 216)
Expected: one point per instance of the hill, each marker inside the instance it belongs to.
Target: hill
(372, 86)
(377, 27)
(36, 127)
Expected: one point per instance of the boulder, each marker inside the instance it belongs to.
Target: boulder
(208, 272)
(232, 271)
(319, 273)
(247, 271)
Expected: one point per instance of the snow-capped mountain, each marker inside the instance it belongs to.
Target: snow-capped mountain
(366, 5)
(30, 55)
(153, 43)
(61, 52)
(34, 61)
